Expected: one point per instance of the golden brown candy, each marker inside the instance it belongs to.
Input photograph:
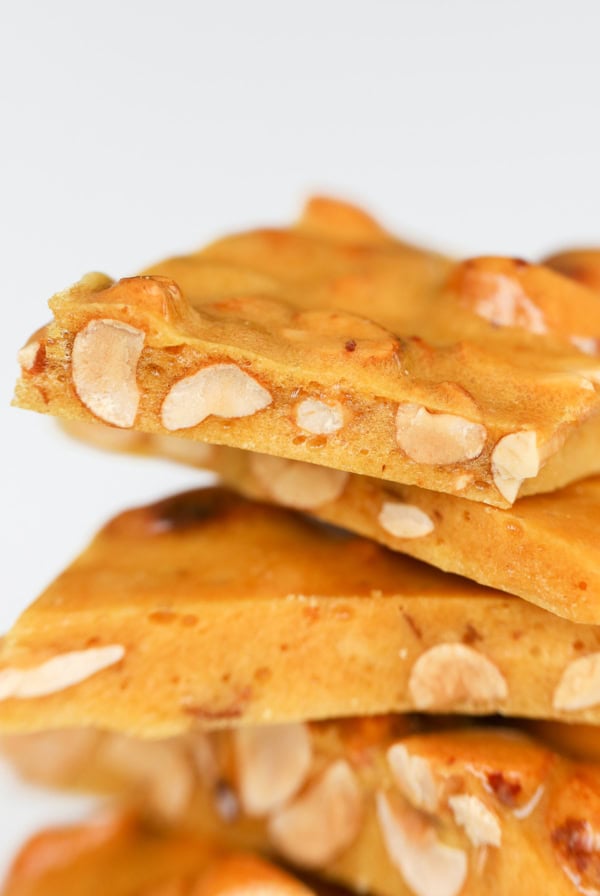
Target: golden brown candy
(333, 343)
(388, 805)
(116, 855)
(210, 610)
(544, 548)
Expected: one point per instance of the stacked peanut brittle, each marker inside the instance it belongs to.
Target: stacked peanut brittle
(268, 666)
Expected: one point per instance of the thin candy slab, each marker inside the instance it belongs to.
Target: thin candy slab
(220, 611)
(545, 548)
(116, 855)
(333, 343)
(388, 805)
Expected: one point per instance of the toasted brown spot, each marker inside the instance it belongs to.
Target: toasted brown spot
(39, 363)
(506, 790)
(263, 674)
(182, 511)
(413, 625)
(162, 617)
(311, 613)
(190, 509)
(43, 393)
(350, 345)
(575, 843)
(233, 710)
(471, 635)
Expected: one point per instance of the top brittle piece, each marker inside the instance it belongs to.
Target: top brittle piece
(331, 342)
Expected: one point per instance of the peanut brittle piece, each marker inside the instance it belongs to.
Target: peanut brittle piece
(333, 343)
(115, 855)
(209, 610)
(582, 265)
(390, 805)
(544, 548)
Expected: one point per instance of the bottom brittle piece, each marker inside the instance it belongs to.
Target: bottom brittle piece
(116, 855)
(388, 805)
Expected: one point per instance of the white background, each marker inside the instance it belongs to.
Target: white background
(130, 130)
